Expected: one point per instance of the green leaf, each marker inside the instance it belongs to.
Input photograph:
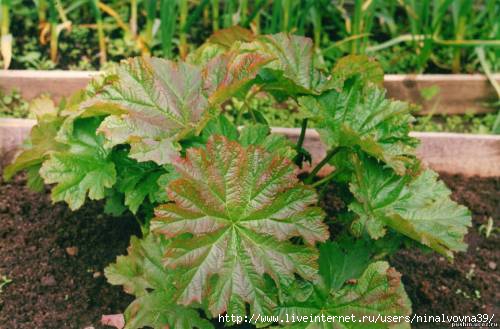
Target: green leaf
(251, 134)
(114, 203)
(254, 134)
(228, 37)
(369, 71)
(378, 291)
(293, 69)
(240, 206)
(41, 143)
(163, 181)
(231, 74)
(142, 274)
(419, 208)
(341, 262)
(34, 181)
(141, 270)
(155, 310)
(220, 126)
(136, 180)
(43, 108)
(84, 168)
(260, 135)
(366, 121)
(218, 43)
(161, 101)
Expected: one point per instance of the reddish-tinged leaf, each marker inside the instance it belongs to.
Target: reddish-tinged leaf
(242, 205)
(294, 68)
(230, 74)
(227, 37)
(370, 71)
(161, 101)
(142, 274)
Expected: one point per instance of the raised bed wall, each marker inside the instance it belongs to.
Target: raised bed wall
(458, 93)
(464, 154)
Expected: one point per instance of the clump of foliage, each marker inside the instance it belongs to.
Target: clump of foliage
(13, 105)
(234, 228)
(467, 123)
(406, 36)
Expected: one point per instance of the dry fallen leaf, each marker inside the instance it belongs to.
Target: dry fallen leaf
(72, 251)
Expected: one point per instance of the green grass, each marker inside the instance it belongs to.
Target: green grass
(407, 36)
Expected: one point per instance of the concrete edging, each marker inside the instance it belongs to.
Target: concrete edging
(465, 154)
(453, 153)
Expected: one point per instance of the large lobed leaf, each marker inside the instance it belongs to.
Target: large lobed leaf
(419, 208)
(160, 100)
(240, 206)
(157, 102)
(294, 61)
(218, 43)
(41, 143)
(292, 66)
(368, 71)
(365, 120)
(83, 168)
(350, 286)
(142, 274)
(231, 74)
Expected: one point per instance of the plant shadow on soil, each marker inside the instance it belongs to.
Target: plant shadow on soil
(52, 289)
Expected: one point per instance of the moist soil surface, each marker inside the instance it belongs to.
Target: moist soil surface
(55, 259)
(471, 284)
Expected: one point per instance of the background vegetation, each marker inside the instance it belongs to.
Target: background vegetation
(406, 36)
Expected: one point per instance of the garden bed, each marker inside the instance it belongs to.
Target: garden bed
(55, 259)
(455, 93)
(445, 152)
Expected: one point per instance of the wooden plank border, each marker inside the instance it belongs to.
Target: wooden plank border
(57, 84)
(465, 154)
(458, 94)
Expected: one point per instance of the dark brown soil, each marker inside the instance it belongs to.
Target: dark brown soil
(470, 285)
(52, 289)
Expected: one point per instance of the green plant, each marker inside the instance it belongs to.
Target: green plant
(12, 105)
(100, 32)
(488, 228)
(467, 123)
(167, 14)
(234, 229)
(4, 280)
(6, 36)
(405, 36)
